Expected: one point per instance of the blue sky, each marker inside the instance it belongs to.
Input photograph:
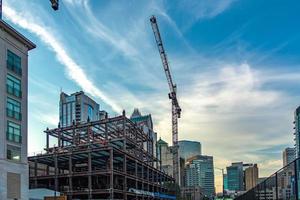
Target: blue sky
(236, 64)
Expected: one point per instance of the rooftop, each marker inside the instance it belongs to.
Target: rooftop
(9, 29)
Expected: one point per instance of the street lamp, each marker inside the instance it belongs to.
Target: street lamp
(222, 179)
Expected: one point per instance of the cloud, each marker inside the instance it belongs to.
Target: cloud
(205, 9)
(47, 118)
(73, 70)
(227, 104)
(130, 40)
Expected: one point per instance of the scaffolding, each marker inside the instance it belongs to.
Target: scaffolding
(103, 159)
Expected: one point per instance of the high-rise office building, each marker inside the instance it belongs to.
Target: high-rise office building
(199, 171)
(225, 182)
(77, 108)
(235, 176)
(165, 156)
(13, 113)
(297, 131)
(188, 149)
(288, 156)
(251, 176)
(145, 121)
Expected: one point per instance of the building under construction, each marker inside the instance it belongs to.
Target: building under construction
(103, 159)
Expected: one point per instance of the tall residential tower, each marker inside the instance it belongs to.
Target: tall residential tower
(14, 49)
(297, 131)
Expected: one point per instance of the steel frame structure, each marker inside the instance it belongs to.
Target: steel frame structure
(102, 159)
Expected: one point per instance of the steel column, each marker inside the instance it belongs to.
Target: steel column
(111, 161)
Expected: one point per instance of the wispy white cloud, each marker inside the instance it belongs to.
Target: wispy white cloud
(133, 40)
(73, 70)
(44, 85)
(227, 105)
(204, 9)
(46, 118)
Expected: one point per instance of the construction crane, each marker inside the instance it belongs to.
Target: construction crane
(54, 4)
(176, 110)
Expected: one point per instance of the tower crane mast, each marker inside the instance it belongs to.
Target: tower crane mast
(176, 110)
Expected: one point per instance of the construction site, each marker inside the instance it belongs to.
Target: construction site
(107, 158)
(103, 159)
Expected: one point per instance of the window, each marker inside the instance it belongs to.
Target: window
(14, 62)
(13, 108)
(73, 111)
(64, 115)
(13, 86)
(69, 114)
(13, 153)
(90, 112)
(13, 186)
(14, 132)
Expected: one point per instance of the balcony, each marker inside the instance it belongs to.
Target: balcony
(14, 68)
(13, 91)
(13, 114)
(14, 137)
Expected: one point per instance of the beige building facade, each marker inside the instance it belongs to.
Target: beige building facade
(14, 49)
(251, 177)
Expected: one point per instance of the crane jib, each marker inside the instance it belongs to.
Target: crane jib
(176, 110)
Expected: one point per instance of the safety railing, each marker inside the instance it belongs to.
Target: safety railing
(282, 185)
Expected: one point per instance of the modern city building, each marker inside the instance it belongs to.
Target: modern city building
(145, 122)
(13, 113)
(297, 131)
(235, 176)
(288, 156)
(225, 182)
(251, 177)
(165, 156)
(77, 108)
(199, 171)
(189, 149)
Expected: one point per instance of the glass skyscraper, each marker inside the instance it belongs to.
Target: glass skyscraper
(188, 149)
(199, 171)
(77, 108)
(235, 176)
